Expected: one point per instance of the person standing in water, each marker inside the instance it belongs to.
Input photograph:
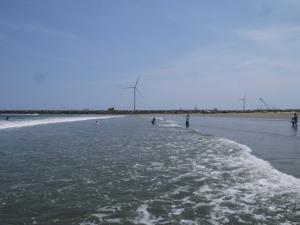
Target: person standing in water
(153, 121)
(295, 120)
(187, 121)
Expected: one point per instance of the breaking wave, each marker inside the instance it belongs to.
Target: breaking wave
(36, 122)
(202, 179)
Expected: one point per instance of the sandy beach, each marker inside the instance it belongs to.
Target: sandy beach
(268, 115)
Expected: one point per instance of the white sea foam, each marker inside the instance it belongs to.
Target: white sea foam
(145, 217)
(188, 222)
(237, 183)
(255, 184)
(221, 179)
(245, 155)
(169, 123)
(52, 120)
(252, 162)
(19, 114)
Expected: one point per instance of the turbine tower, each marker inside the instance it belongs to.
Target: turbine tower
(135, 89)
(244, 100)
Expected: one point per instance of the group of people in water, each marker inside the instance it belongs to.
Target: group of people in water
(294, 120)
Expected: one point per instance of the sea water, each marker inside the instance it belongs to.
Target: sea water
(274, 140)
(124, 170)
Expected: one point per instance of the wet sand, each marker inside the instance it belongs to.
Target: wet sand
(265, 115)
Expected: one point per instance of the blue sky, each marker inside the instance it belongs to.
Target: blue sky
(81, 54)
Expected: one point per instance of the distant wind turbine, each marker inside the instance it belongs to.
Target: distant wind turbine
(135, 89)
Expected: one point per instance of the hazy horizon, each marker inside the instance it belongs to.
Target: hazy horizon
(78, 54)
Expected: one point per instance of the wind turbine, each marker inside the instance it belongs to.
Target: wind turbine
(135, 89)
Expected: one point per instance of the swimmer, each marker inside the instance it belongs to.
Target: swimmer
(153, 120)
(187, 121)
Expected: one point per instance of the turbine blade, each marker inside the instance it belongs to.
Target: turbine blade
(139, 92)
(137, 81)
(127, 87)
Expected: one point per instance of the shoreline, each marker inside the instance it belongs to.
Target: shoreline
(271, 114)
(254, 115)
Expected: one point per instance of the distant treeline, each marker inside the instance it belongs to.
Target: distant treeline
(138, 111)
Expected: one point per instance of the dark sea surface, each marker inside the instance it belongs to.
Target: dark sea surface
(124, 170)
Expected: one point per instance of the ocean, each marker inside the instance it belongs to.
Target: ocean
(124, 170)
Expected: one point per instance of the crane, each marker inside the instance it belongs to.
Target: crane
(265, 104)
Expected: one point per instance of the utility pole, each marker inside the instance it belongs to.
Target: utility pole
(244, 100)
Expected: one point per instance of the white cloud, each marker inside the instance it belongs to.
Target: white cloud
(37, 28)
(217, 77)
(274, 36)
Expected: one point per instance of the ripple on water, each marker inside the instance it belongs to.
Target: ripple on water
(151, 175)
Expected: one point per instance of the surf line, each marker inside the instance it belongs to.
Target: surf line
(29, 123)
